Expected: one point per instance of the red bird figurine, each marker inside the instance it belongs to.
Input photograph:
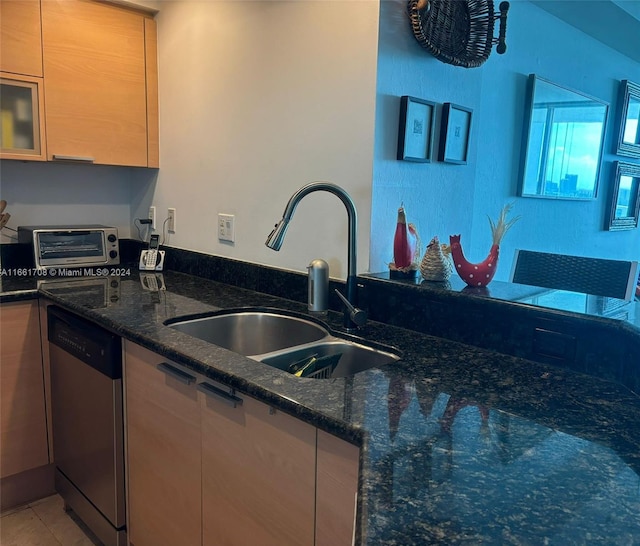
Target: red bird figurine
(474, 274)
(480, 274)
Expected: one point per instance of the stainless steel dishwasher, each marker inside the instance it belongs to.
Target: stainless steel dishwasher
(88, 436)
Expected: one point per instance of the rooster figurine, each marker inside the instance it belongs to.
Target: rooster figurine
(482, 273)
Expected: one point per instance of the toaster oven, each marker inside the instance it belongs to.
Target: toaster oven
(71, 246)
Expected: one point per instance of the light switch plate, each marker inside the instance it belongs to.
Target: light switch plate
(226, 227)
(171, 220)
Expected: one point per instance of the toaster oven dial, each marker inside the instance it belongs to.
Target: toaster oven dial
(113, 254)
(111, 238)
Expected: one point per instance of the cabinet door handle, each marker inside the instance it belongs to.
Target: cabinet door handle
(58, 157)
(181, 376)
(221, 395)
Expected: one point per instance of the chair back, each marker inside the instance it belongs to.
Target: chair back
(597, 276)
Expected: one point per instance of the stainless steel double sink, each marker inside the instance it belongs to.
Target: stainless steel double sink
(285, 341)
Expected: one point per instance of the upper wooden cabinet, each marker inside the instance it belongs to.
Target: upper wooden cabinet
(100, 74)
(21, 84)
(93, 66)
(22, 115)
(20, 37)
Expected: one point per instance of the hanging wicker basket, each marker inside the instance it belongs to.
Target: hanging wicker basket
(458, 32)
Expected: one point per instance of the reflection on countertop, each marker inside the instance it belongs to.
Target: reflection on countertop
(559, 300)
(469, 473)
(598, 306)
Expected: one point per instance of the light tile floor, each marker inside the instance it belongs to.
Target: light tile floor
(43, 523)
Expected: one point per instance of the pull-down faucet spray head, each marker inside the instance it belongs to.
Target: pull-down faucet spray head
(276, 237)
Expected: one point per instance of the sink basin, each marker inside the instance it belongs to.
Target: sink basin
(342, 358)
(281, 340)
(251, 333)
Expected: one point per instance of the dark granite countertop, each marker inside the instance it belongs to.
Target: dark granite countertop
(460, 445)
(16, 288)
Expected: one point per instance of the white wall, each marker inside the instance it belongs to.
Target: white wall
(256, 100)
(444, 199)
(53, 193)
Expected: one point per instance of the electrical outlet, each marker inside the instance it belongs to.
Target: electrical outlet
(152, 217)
(171, 220)
(226, 228)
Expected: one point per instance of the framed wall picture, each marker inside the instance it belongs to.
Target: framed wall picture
(415, 130)
(625, 197)
(629, 120)
(455, 132)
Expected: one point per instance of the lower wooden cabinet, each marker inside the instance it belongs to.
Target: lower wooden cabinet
(23, 443)
(163, 453)
(213, 467)
(258, 471)
(336, 490)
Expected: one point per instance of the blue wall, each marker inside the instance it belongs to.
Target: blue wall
(444, 199)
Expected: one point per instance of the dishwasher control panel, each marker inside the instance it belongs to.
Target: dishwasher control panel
(86, 341)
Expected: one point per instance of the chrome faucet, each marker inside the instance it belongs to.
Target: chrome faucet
(353, 317)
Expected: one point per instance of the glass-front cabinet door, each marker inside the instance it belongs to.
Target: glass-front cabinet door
(22, 117)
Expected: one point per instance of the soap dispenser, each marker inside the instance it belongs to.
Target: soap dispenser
(318, 286)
